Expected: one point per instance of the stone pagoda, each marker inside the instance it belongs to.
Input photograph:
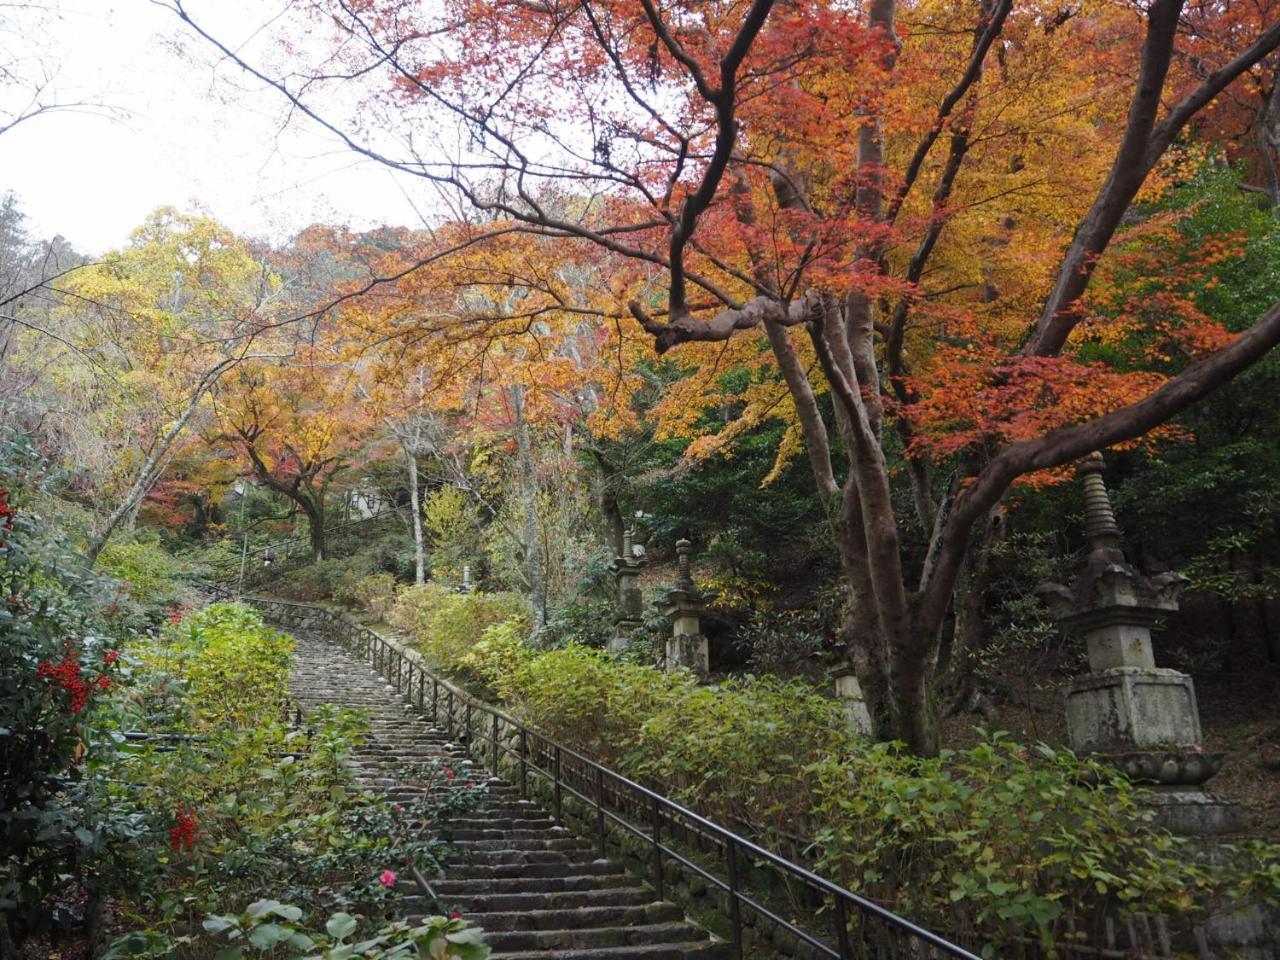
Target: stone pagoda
(626, 569)
(1138, 716)
(687, 646)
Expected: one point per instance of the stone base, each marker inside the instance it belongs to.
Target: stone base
(849, 692)
(624, 632)
(617, 644)
(1194, 812)
(691, 652)
(1132, 708)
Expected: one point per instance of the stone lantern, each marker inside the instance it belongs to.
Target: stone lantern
(1141, 717)
(626, 568)
(687, 646)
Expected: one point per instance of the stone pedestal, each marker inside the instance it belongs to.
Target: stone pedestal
(630, 619)
(849, 693)
(687, 646)
(1127, 708)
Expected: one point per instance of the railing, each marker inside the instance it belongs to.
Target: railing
(859, 928)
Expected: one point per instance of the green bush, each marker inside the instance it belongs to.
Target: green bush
(149, 574)
(590, 702)
(1001, 841)
(373, 592)
(236, 668)
(582, 622)
(59, 666)
(323, 580)
(447, 625)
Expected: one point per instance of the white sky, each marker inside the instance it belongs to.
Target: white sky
(187, 135)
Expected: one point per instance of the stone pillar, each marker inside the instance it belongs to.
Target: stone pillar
(1140, 717)
(687, 646)
(466, 586)
(849, 693)
(630, 618)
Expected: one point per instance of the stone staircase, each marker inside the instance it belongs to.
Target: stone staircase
(537, 890)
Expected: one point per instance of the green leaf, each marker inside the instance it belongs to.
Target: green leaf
(341, 925)
(268, 935)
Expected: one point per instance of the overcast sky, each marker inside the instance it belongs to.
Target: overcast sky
(186, 133)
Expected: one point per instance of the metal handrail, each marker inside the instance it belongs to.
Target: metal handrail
(390, 660)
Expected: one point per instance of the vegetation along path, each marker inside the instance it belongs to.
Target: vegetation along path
(536, 889)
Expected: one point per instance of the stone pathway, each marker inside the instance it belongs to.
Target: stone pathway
(537, 889)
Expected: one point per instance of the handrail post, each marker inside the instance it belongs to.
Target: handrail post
(524, 764)
(657, 848)
(558, 798)
(600, 810)
(467, 729)
(448, 719)
(842, 929)
(495, 744)
(435, 700)
(735, 908)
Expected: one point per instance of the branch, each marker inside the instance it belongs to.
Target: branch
(1061, 446)
(1142, 146)
(982, 45)
(683, 327)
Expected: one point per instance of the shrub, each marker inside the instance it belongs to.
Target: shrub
(373, 592)
(1001, 841)
(736, 750)
(57, 671)
(324, 579)
(588, 701)
(500, 651)
(447, 625)
(236, 667)
(581, 622)
(151, 575)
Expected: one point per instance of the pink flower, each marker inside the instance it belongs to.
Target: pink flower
(399, 808)
(388, 879)
(455, 915)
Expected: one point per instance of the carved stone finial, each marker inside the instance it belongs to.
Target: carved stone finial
(685, 581)
(1099, 519)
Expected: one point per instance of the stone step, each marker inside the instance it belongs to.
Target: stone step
(493, 902)
(471, 886)
(585, 938)
(579, 918)
(703, 950)
(537, 889)
(569, 844)
(496, 871)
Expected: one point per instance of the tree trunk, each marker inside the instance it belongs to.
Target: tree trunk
(415, 507)
(147, 475)
(315, 528)
(535, 575)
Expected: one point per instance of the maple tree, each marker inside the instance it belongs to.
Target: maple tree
(902, 209)
(295, 426)
(122, 364)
